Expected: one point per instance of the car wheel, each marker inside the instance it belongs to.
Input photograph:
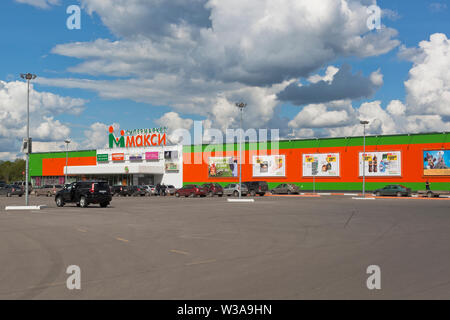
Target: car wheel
(78, 204)
(59, 202)
(191, 195)
(211, 194)
(49, 194)
(378, 194)
(8, 194)
(177, 195)
(220, 195)
(104, 204)
(236, 194)
(430, 194)
(289, 192)
(83, 202)
(262, 194)
(253, 193)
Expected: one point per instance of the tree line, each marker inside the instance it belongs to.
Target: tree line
(11, 171)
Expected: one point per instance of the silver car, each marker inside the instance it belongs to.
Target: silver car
(233, 189)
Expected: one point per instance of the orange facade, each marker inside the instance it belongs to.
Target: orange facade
(55, 166)
(411, 165)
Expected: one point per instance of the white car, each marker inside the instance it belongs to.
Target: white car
(151, 190)
(232, 189)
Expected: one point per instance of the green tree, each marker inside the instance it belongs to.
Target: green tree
(12, 171)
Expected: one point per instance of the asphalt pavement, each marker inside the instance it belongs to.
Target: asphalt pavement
(207, 248)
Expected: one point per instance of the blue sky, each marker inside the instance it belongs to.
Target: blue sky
(30, 34)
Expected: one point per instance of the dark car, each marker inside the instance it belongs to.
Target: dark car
(393, 190)
(285, 188)
(84, 193)
(257, 187)
(11, 190)
(122, 191)
(191, 190)
(137, 191)
(213, 189)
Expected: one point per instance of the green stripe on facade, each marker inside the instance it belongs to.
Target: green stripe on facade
(36, 159)
(348, 186)
(328, 143)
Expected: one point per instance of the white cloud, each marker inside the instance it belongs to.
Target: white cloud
(42, 4)
(43, 108)
(428, 86)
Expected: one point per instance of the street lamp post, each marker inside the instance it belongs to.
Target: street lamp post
(241, 106)
(67, 141)
(28, 77)
(364, 156)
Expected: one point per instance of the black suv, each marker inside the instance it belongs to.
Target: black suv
(213, 189)
(84, 193)
(257, 187)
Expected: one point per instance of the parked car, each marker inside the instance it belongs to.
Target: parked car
(257, 187)
(84, 193)
(122, 191)
(11, 190)
(170, 190)
(47, 190)
(137, 191)
(393, 190)
(213, 189)
(285, 188)
(191, 190)
(232, 189)
(151, 190)
(22, 184)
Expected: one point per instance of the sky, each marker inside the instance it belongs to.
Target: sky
(307, 68)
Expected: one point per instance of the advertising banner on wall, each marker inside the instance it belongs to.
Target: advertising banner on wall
(222, 167)
(152, 155)
(321, 165)
(171, 167)
(380, 164)
(269, 166)
(118, 157)
(436, 163)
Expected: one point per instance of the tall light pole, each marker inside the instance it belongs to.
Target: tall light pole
(67, 141)
(364, 156)
(241, 106)
(28, 77)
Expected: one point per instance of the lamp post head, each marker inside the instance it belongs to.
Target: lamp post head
(241, 105)
(363, 122)
(28, 76)
(67, 141)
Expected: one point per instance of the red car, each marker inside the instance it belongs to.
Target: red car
(191, 190)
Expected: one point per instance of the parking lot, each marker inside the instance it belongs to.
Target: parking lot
(290, 247)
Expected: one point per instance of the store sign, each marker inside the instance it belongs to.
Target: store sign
(269, 166)
(379, 164)
(321, 165)
(436, 163)
(171, 167)
(102, 157)
(118, 157)
(138, 138)
(152, 156)
(135, 158)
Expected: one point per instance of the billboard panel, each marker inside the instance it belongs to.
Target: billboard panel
(381, 164)
(222, 167)
(436, 163)
(269, 166)
(321, 165)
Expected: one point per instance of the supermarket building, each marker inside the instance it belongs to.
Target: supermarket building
(331, 164)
